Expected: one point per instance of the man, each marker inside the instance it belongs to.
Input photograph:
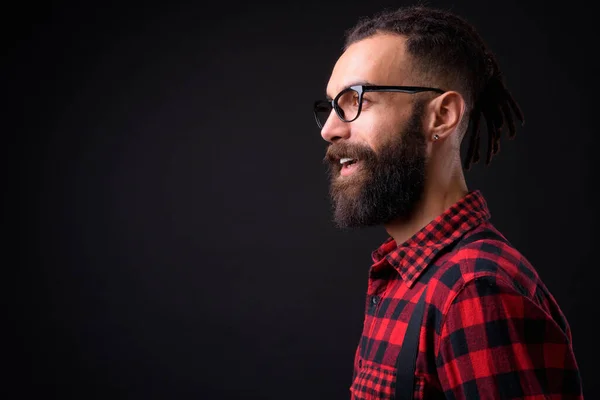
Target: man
(409, 86)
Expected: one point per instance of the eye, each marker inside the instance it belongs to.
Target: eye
(356, 100)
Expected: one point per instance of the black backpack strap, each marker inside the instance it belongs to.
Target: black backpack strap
(406, 362)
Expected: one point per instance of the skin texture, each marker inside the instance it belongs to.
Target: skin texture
(382, 60)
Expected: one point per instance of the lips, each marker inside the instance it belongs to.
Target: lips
(349, 166)
(344, 158)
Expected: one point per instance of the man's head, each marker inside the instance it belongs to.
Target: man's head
(391, 142)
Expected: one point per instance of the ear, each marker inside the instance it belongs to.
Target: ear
(444, 114)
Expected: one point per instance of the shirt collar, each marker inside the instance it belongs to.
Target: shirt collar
(412, 257)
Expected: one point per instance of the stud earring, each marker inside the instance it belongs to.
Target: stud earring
(435, 137)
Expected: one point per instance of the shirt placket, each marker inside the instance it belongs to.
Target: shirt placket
(375, 294)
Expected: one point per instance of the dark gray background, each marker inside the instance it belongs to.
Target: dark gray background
(176, 235)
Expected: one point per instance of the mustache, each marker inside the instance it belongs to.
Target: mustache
(336, 151)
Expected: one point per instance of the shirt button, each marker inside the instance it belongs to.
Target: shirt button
(374, 300)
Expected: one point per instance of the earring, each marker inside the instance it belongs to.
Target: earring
(435, 137)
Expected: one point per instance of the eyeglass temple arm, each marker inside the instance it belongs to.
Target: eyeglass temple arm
(403, 89)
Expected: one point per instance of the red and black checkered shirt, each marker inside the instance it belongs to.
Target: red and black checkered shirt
(491, 329)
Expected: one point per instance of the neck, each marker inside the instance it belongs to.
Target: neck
(444, 187)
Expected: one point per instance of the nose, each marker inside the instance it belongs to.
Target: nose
(335, 129)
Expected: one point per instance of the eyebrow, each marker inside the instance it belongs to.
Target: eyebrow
(354, 83)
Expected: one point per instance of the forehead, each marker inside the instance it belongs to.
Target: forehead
(379, 59)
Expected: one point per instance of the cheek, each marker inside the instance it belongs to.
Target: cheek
(378, 129)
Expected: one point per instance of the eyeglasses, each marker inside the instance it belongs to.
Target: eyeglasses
(348, 103)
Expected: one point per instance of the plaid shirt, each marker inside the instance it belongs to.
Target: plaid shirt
(491, 329)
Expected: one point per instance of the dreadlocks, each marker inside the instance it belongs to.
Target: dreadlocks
(449, 49)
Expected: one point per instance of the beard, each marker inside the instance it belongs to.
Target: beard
(389, 183)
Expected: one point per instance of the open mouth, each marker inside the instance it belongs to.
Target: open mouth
(349, 166)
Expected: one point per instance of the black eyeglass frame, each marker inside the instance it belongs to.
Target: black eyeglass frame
(361, 89)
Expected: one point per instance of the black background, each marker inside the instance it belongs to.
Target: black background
(175, 235)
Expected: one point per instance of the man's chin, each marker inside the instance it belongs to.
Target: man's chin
(353, 207)
(347, 190)
(349, 214)
(346, 218)
(349, 207)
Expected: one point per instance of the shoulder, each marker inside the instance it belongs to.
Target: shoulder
(486, 252)
(489, 265)
(485, 255)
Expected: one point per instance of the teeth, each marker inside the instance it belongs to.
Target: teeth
(345, 160)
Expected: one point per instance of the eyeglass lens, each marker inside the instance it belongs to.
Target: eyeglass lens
(347, 107)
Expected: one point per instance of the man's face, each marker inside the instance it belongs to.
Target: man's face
(386, 180)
